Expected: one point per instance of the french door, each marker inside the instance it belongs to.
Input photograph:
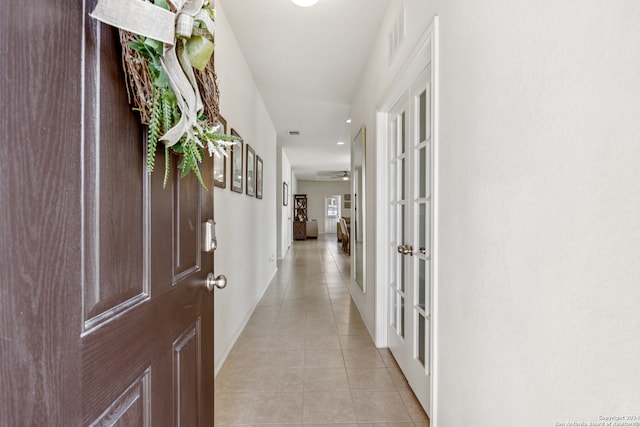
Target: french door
(411, 242)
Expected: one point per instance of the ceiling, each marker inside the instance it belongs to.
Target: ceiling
(306, 63)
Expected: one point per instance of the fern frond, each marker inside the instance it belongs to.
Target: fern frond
(167, 166)
(191, 161)
(154, 131)
(197, 152)
(196, 171)
(176, 112)
(222, 137)
(167, 112)
(188, 159)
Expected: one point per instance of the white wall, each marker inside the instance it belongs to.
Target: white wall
(316, 192)
(283, 212)
(374, 83)
(245, 225)
(541, 142)
(540, 193)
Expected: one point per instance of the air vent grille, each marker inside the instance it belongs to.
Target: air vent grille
(294, 132)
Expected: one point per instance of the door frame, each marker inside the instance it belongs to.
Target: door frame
(425, 53)
(331, 229)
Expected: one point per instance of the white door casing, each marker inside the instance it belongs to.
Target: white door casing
(332, 212)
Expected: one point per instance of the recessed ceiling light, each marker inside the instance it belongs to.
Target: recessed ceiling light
(340, 143)
(304, 3)
(348, 120)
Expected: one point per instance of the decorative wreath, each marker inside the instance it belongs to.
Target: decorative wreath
(167, 49)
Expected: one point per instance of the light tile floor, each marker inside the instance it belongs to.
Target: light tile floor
(306, 358)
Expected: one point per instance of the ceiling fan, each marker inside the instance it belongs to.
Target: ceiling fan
(344, 175)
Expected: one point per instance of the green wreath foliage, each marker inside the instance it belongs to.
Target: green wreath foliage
(165, 113)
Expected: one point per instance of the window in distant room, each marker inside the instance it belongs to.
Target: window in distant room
(333, 206)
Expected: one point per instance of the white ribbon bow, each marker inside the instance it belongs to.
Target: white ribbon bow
(146, 19)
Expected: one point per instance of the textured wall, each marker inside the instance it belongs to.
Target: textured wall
(246, 226)
(540, 192)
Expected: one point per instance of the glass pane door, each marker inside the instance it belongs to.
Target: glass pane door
(398, 214)
(410, 213)
(422, 217)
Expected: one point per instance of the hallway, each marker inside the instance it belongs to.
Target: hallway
(306, 358)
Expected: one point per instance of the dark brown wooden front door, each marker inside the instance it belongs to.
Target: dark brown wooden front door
(105, 315)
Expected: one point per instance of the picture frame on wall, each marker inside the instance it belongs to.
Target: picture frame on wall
(220, 162)
(251, 172)
(259, 167)
(285, 194)
(237, 176)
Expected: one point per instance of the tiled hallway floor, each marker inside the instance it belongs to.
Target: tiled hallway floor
(306, 358)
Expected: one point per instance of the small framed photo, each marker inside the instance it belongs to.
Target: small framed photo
(285, 194)
(236, 164)
(251, 171)
(220, 162)
(259, 167)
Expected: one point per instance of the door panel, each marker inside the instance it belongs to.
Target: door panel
(114, 210)
(186, 375)
(147, 340)
(107, 321)
(410, 208)
(422, 225)
(186, 229)
(131, 408)
(398, 183)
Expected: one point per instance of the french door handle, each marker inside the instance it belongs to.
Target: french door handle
(405, 250)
